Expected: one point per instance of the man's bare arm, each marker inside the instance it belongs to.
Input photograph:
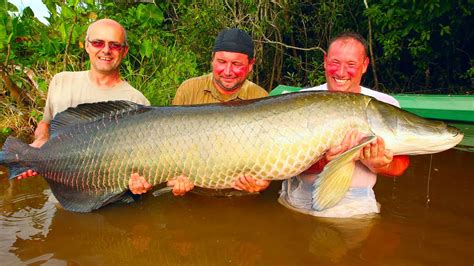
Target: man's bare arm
(41, 134)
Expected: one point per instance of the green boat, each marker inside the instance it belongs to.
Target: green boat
(457, 110)
(442, 107)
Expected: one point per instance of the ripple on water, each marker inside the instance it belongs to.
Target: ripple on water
(25, 215)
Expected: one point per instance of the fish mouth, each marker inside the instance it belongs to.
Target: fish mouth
(459, 136)
(456, 132)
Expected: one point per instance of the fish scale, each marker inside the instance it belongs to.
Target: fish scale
(94, 148)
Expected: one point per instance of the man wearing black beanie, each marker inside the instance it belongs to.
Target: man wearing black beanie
(232, 62)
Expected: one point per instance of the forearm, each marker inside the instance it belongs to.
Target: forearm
(42, 130)
(396, 167)
(41, 134)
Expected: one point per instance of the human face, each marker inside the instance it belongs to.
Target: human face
(344, 65)
(230, 70)
(105, 60)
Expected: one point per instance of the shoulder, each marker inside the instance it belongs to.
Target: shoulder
(194, 85)
(68, 81)
(190, 90)
(196, 82)
(254, 90)
(383, 97)
(70, 75)
(135, 95)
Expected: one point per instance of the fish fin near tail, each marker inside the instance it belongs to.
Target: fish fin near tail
(128, 197)
(12, 155)
(162, 191)
(335, 180)
(77, 200)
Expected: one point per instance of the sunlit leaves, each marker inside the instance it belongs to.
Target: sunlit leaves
(6, 22)
(51, 6)
(27, 12)
(150, 14)
(146, 48)
(67, 12)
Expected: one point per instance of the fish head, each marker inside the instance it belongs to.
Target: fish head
(407, 133)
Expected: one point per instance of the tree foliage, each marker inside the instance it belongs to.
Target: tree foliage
(424, 46)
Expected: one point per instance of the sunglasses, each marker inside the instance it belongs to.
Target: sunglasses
(100, 44)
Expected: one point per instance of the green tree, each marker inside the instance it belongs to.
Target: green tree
(424, 45)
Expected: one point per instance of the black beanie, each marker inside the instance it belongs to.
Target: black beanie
(234, 40)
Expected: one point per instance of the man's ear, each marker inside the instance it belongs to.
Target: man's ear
(125, 52)
(86, 46)
(251, 62)
(365, 64)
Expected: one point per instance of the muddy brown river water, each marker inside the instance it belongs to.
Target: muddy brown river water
(427, 218)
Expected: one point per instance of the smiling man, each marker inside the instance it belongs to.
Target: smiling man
(232, 62)
(106, 44)
(345, 63)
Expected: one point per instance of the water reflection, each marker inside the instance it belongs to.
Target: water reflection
(171, 232)
(253, 230)
(434, 208)
(353, 241)
(25, 213)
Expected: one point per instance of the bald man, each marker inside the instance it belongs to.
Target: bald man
(106, 44)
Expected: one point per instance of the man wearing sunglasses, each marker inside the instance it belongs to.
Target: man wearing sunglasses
(106, 45)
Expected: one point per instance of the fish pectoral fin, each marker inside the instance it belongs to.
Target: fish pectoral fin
(334, 181)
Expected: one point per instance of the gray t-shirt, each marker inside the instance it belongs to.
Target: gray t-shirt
(69, 89)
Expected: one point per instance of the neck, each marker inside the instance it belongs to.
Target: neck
(356, 89)
(104, 80)
(225, 92)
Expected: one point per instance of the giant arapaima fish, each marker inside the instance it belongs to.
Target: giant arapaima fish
(94, 148)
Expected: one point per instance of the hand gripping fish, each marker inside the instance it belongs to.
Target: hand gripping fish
(94, 148)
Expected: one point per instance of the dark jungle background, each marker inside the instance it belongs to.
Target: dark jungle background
(415, 46)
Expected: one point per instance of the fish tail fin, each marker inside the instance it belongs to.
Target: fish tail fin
(14, 155)
(335, 180)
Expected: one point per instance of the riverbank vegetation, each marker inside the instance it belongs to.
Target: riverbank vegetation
(416, 46)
